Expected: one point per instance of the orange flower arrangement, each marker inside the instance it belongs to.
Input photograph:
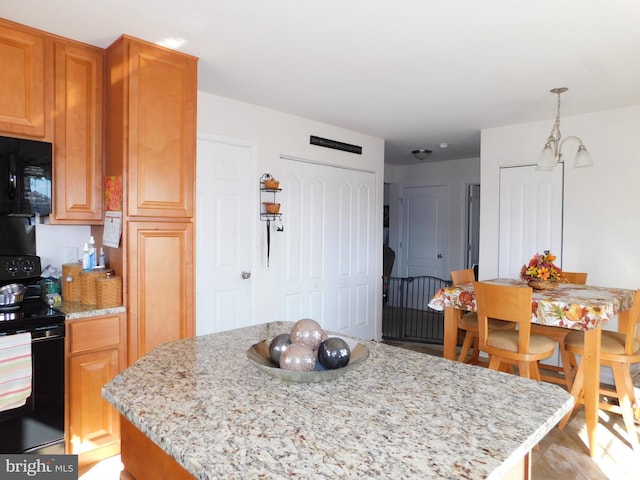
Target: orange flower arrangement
(541, 267)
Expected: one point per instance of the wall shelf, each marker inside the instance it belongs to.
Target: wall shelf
(268, 195)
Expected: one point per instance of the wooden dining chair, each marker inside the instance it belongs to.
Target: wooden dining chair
(577, 278)
(507, 348)
(469, 321)
(618, 350)
(561, 375)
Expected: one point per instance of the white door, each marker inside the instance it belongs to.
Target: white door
(530, 216)
(226, 202)
(330, 272)
(425, 223)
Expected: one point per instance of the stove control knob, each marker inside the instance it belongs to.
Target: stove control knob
(13, 267)
(27, 266)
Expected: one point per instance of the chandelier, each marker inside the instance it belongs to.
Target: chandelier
(551, 154)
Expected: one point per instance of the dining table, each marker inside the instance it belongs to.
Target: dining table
(570, 306)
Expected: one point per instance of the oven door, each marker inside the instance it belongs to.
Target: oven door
(38, 426)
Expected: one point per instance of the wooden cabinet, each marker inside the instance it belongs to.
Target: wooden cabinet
(95, 354)
(151, 140)
(24, 99)
(79, 98)
(53, 89)
(153, 96)
(161, 280)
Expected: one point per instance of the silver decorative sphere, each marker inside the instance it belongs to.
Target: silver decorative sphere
(308, 332)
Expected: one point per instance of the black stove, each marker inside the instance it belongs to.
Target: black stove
(37, 424)
(32, 312)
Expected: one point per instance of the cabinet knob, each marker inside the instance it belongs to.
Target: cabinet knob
(245, 275)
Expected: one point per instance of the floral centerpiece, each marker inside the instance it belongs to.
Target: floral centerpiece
(541, 273)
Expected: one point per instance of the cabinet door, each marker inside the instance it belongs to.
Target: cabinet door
(93, 422)
(78, 170)
(162, 123)
(22, 91)
(161, 284)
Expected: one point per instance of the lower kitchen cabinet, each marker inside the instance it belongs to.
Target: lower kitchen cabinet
(160, 284)
(96, 352)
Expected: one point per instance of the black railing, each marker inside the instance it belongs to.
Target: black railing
(406, 315)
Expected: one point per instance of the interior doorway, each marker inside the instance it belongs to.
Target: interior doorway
(225, 198)
(472, 247)
(424, 231)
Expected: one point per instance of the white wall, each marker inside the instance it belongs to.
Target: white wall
(58, 244)
(456, 174)
(601, 230)
(274, 134)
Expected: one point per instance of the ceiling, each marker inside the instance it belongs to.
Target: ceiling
(416, 73)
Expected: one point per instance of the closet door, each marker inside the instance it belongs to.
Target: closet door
(329, 273)
(530, 216)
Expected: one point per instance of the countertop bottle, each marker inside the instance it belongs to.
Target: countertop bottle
(92, 253)
(85, 257)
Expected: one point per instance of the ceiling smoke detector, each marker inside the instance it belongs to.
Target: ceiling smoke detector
(421, 154)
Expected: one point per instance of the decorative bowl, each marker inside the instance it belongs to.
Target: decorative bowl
(259, 355)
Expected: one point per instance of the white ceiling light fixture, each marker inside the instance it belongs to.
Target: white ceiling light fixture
(551, 154)
(421, 154)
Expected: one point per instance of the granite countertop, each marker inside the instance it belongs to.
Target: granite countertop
(73, 310)
(399, 414)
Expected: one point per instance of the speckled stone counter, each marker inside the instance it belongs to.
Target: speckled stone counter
(73, 310)
(399, 414)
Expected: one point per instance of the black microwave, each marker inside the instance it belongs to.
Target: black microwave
(25, 176)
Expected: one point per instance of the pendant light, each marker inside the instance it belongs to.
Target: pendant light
(551, 154)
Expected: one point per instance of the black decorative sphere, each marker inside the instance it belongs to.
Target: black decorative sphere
(334, 353)
(278, 345)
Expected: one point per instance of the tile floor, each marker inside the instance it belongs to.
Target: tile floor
(562, 454)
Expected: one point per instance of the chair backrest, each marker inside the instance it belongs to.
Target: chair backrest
(504, 302)
(578, 278)
(630, 325)
(463, 276)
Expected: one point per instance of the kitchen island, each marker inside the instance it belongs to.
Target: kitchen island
(209, 412)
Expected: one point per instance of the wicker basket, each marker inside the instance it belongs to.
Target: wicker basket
(271, 183)
(109, 291)
(543, 284)
(71, 285)
(88, 281)
(271, 207)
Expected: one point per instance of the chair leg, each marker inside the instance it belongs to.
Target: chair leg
(624, 391)
(576, 391)
(475, 356)
(524, 369)
(566, 365)
(494, 363)
(535, 372)
(466, 345)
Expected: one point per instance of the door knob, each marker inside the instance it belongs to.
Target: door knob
(439, 255)
(245, 275)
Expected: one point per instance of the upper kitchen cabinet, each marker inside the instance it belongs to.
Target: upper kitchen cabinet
(25, 100)
(151, 127)
(79, 137)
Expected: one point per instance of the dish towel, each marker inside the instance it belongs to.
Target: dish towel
(15, 370)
